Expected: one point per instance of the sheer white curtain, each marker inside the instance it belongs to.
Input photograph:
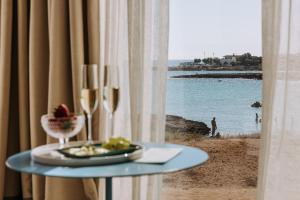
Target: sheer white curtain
(279, 175)
(134, 46)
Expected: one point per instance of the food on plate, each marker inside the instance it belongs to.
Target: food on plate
(87, 150)
(117, 143)
(113, 146)
(61, 119)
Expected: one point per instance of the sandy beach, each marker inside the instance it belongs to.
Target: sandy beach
(229, 174)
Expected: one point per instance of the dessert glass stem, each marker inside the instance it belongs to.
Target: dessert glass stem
(61, 142)
(89, 117)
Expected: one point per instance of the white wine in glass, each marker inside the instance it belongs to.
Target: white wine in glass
(111, 93)
(89, 100)
(89, 93)
(111, 99)
(110, 103)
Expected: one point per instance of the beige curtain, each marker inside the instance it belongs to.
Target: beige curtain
(135, 42)
(42, 45)
(279, 176)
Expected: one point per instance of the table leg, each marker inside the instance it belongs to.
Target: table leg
(108, 188)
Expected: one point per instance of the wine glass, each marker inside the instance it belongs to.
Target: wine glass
(89, 93)
(110, 96)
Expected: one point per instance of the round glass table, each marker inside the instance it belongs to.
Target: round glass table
(188, 158)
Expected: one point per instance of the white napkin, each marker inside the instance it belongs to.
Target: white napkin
(158, 155)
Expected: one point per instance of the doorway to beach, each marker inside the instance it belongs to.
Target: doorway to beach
(214, 95)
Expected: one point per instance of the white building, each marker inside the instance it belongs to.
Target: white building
(228, 60)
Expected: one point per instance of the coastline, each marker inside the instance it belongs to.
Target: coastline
(178, 124)
(216, 68)
(256, 76)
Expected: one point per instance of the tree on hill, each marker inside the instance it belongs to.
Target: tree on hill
(248, 60)
(197, 60)
(207, 60)
(216, 61)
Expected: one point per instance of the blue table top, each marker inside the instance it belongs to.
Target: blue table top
(189, 157)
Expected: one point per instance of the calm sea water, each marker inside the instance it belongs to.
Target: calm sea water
(229, 100)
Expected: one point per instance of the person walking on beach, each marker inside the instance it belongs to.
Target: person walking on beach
(213, 126)
(256, 118)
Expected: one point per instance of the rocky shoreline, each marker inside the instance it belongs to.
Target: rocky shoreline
(180, 124)
(257, 76)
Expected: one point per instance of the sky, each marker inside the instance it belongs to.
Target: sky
(214, 27)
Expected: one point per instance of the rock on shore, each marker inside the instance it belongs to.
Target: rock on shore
(257, 76)
(256, 104)
(179, 124)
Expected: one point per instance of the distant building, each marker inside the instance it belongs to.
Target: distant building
(229, 60)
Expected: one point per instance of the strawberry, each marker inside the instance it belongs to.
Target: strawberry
(61, 111)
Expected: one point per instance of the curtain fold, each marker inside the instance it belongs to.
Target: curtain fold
(5, 74)
(147, 40)
(279, 176)
(136, 50)
(77, 58)
(60, 90)
(23, 80)
(12, 178)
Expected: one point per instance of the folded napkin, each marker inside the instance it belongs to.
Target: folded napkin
(159, 155)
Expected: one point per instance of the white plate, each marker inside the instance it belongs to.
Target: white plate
(48, 155)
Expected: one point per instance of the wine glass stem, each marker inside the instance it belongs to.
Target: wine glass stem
(89, 116)
(111, 119)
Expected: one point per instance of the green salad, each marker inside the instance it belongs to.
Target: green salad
(117, 143)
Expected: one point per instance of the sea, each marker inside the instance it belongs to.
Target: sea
(228, 100)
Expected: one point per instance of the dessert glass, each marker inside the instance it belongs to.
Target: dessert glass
(62, 128)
